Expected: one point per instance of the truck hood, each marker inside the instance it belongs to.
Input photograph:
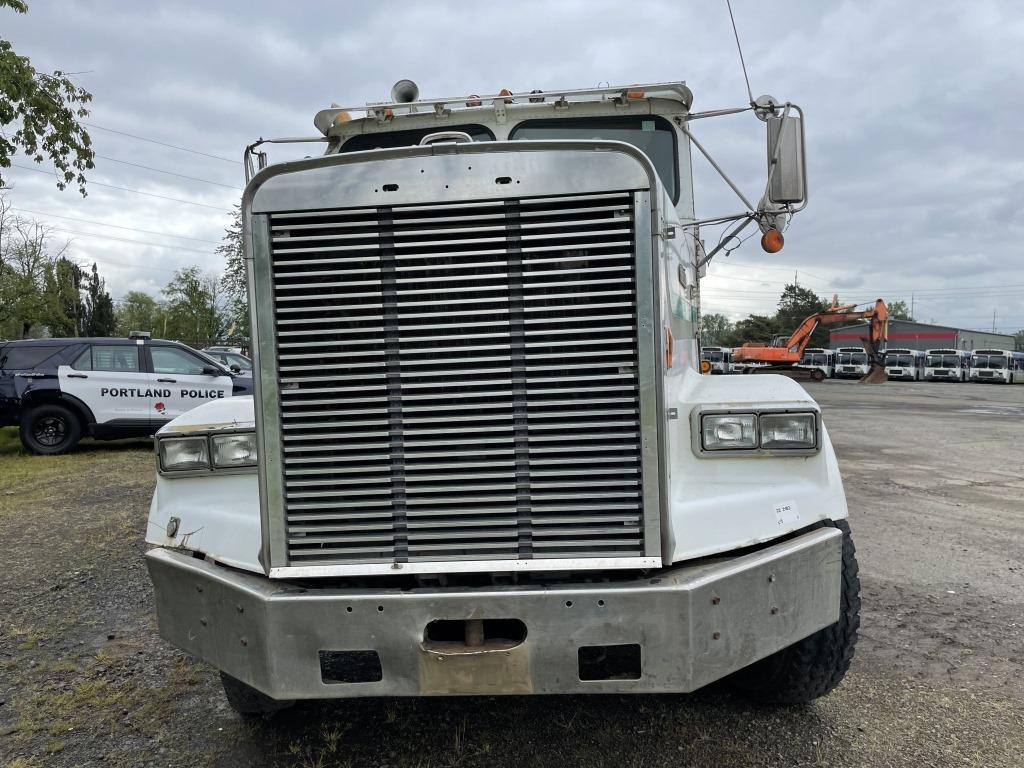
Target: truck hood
(227, 413)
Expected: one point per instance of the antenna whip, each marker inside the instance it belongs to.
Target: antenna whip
(739, 48)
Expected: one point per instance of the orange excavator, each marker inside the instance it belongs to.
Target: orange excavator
(783, 353)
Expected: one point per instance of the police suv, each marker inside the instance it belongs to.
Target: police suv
(57, 390)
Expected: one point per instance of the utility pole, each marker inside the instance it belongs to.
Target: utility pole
(911, 305)
(993, 320)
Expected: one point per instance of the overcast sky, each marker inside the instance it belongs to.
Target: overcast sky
(913, 122)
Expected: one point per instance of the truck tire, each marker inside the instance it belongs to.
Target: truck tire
(246, 700)
(50, 429)
(817, 664)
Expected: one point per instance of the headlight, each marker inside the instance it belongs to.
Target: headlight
(237, 450)
(178, 453)
(729, 431)
(782, 431)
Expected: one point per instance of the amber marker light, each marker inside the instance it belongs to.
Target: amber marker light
(669, 342)
(772, 241)
(705, 366)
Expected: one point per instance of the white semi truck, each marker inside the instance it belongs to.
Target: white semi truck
(480, 457)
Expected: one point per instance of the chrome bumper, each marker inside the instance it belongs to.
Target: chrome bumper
(693, 624)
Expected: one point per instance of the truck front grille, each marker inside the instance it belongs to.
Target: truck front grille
(459, 381)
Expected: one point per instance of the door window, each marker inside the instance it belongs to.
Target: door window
(108, 357)
(172, 360)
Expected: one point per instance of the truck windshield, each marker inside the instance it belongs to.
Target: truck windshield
(389, 139)
(651, 134)
(715, 357)
(903, 361)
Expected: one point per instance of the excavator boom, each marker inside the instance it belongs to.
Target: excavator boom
(782, 358)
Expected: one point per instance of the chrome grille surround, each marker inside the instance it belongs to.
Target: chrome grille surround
(469, 385)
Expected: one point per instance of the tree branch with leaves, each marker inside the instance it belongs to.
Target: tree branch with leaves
(40, 114)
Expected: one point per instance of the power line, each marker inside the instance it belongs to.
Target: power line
(115, 226)
(126, 189)
(128, 240)
(163, 143)
(169, 173)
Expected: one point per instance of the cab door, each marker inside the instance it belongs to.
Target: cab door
(110, 379)
(182, 380)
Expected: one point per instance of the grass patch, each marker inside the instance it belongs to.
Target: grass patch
(9, 442)
(29, 479)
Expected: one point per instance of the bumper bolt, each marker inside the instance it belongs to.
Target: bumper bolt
(203, 621)
(716, 600)
(771, 577)
(775, 610)
(716, 635)
(240, 608)
(244, 641)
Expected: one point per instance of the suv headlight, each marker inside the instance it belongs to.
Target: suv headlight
(741, 433)
(178, 453)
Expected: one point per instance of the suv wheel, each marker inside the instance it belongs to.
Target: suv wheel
(50, 429)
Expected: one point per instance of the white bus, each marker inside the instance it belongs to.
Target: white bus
(997, 365)
(851, 363)
(719, 357)
(906, 364)
(946, 365)
(818, 358)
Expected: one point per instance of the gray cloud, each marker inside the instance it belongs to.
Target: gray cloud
(913, 137)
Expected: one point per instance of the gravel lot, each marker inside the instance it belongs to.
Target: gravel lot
(935, 480)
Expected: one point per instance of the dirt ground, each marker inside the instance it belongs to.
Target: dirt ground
(935, 481)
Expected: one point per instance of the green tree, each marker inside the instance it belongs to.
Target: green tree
(65, 309)
(194, 310)
(714, 328)
(138, 311)
(898, 310)
(796, 304)
(99, 307)
(27, 261)
(233, 282)
(1018, 339)
(755, 328)
(40, 113)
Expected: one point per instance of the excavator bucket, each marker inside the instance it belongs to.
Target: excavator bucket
(876, 375)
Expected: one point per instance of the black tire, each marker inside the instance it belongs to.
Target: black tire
(818, 375)
(817, 664)
(50, 429)
(246, 700)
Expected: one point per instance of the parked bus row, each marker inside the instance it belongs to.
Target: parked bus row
(997, 366)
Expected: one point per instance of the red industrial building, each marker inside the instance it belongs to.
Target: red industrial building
(908, 334)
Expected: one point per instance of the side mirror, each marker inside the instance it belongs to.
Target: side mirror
(786, 166)
(209, 370)
(236, 368)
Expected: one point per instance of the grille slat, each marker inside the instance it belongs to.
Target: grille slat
(459, 381)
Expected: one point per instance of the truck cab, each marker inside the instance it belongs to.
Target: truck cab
(481, 458)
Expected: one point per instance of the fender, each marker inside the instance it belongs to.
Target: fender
(36, 396)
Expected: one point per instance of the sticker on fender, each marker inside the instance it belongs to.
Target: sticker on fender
(787, 513)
